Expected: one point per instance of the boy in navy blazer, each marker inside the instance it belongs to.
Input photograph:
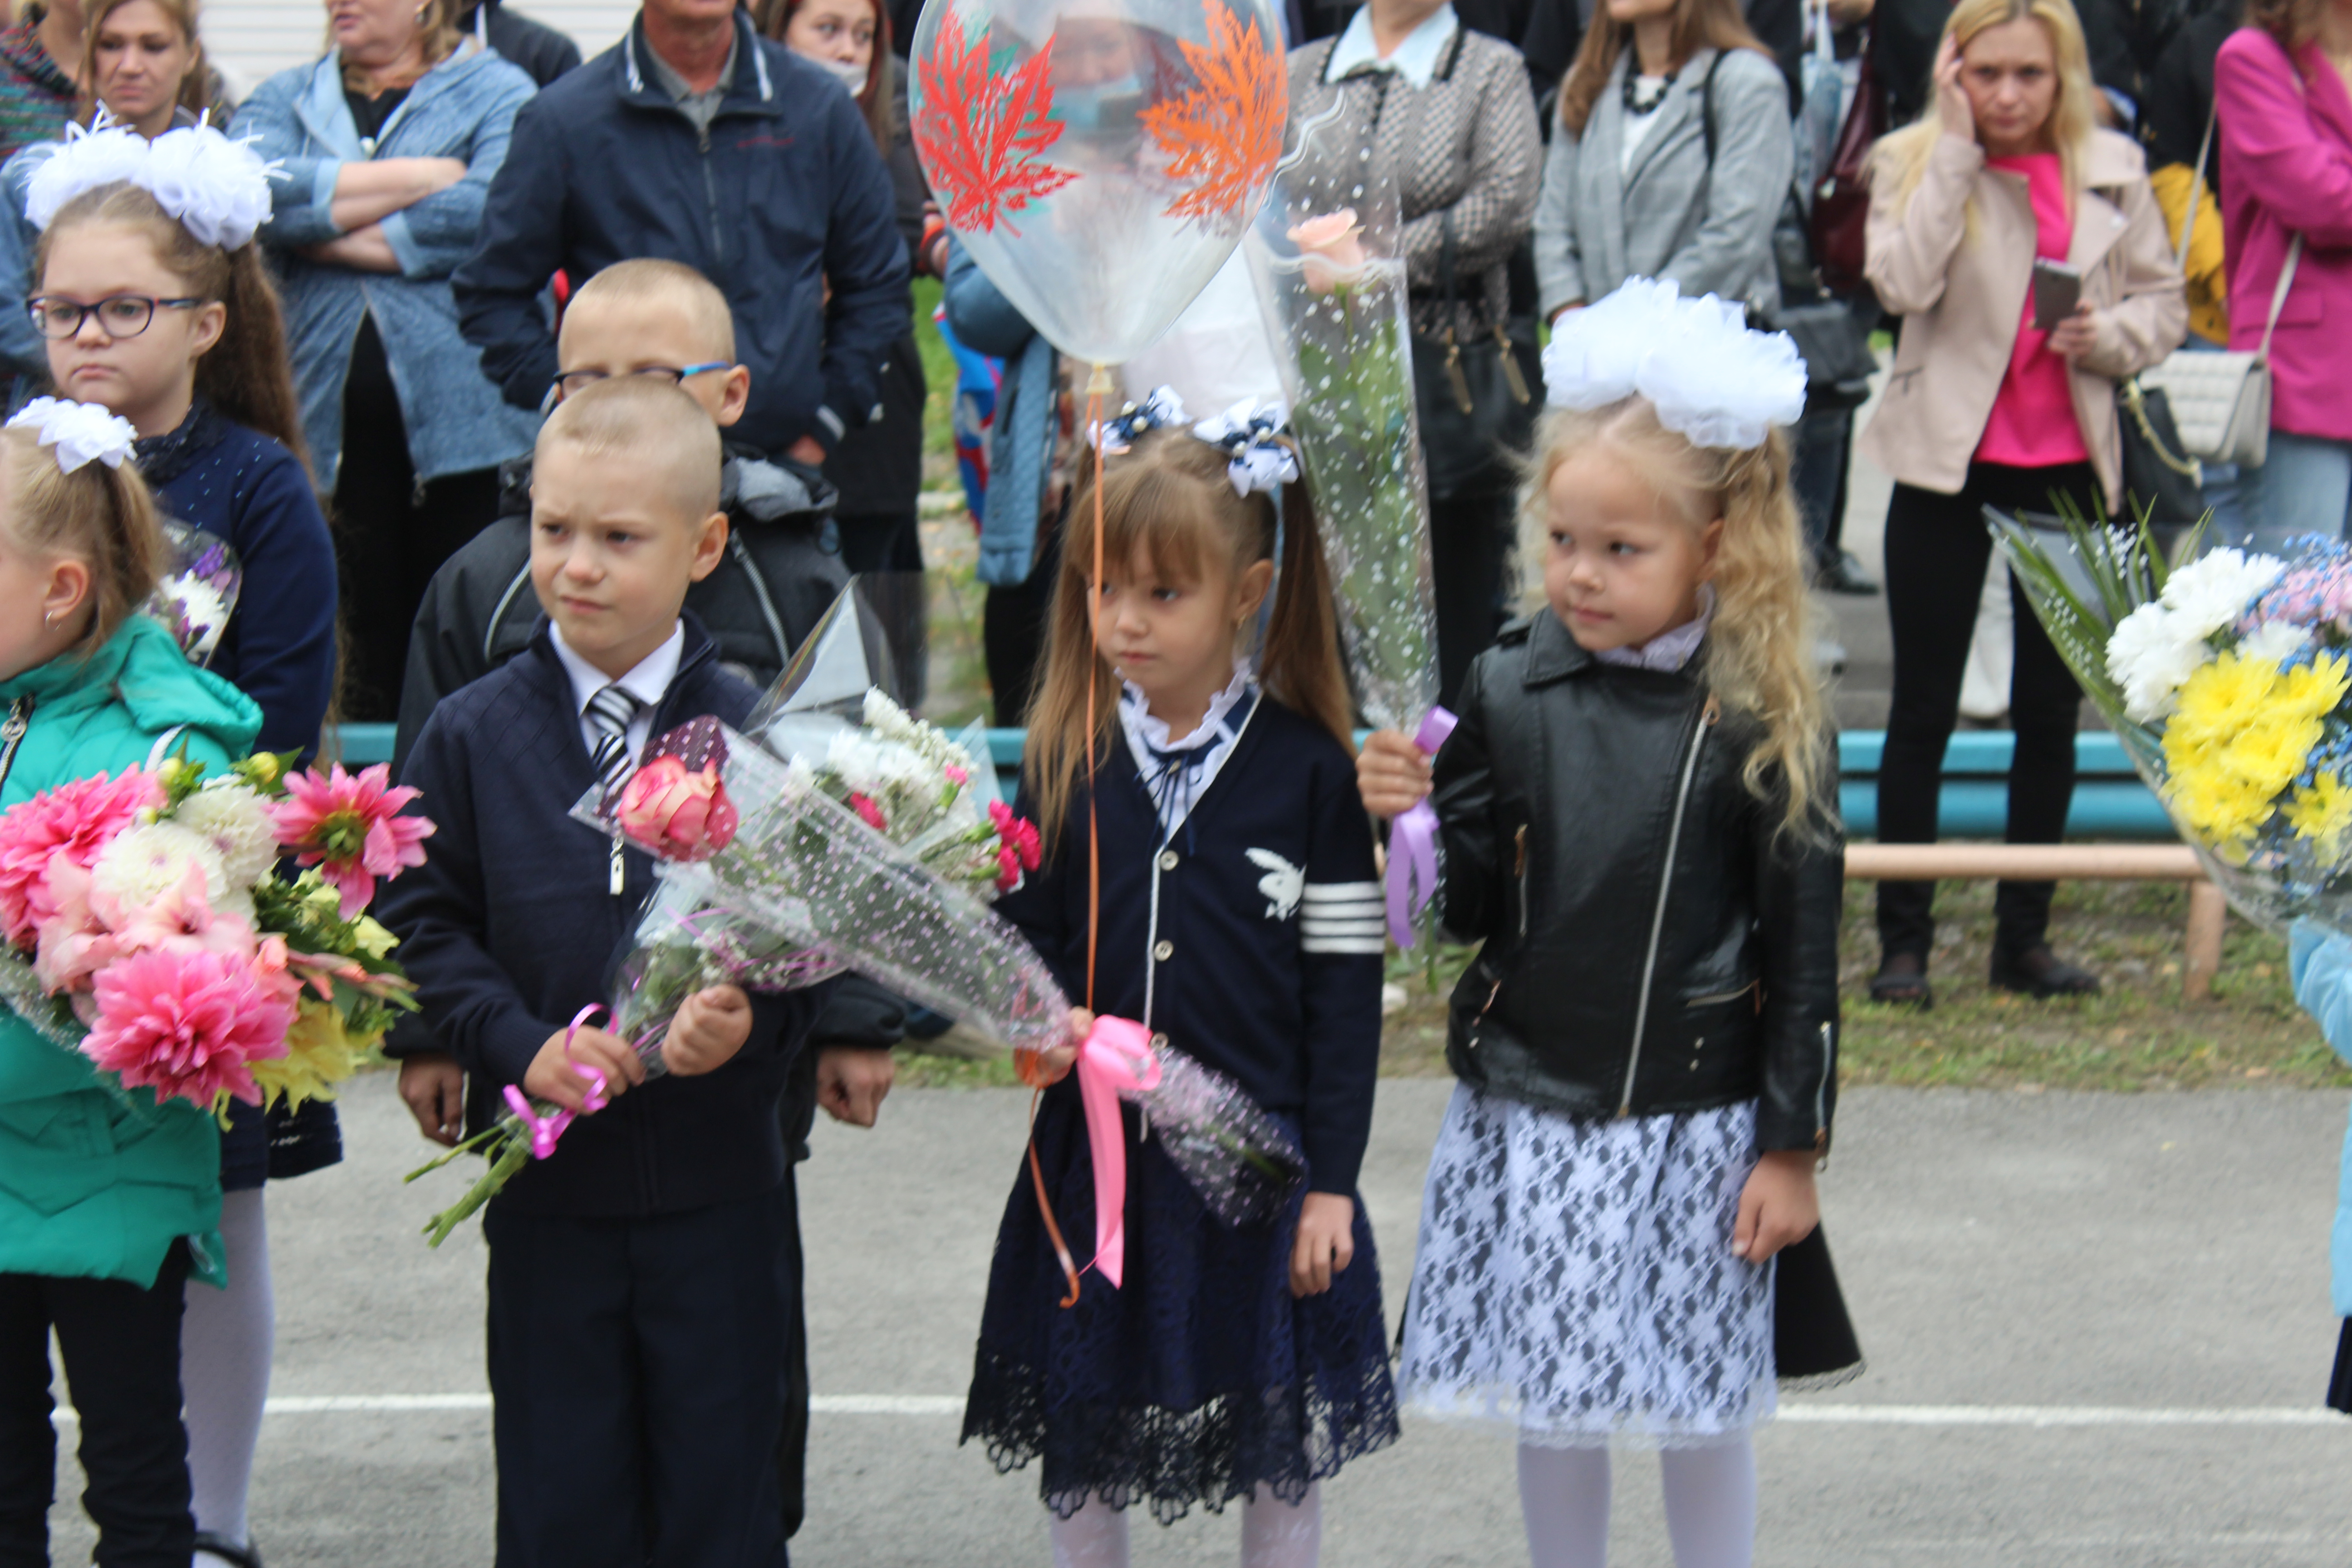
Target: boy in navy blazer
(637, 1286)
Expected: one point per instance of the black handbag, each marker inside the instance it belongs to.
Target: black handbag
(1477, 400)
(2161, 480)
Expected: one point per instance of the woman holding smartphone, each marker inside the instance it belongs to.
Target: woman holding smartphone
(1990, 407)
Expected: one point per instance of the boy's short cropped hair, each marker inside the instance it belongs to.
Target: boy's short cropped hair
(646, 280)
(649, 420)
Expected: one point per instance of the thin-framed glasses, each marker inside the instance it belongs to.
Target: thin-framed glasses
(118, 315)
(573, 381)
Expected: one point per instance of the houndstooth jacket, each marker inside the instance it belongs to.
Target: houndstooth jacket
(1466, 143)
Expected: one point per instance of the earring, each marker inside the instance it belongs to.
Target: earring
(48, 619)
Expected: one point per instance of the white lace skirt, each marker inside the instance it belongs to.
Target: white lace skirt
(1576, 1281)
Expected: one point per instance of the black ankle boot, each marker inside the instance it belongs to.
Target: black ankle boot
(2040, 974)
(1902, 982)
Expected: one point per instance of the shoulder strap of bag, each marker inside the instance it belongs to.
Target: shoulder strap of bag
(1707, 109)
(2197, 187)
(2278, 295)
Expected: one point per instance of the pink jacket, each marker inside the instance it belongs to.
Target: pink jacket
(2286, 168)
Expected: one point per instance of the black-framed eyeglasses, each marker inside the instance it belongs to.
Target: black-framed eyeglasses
(573, 380)
(118, 315)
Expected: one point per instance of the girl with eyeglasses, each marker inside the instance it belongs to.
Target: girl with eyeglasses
(184, 339)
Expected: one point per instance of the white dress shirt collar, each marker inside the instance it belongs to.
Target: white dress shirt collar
(648, 682)
(1415, 59)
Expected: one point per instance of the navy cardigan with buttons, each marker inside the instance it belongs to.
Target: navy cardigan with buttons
(1251, 937)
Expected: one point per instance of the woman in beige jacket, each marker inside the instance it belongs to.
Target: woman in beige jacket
(1982, 409)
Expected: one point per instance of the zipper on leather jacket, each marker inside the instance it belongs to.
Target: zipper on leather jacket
(1707, 716)
(1519, 869)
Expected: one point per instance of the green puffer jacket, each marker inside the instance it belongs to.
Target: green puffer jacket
(95, 1184)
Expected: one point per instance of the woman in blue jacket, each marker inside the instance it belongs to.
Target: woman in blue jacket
(2322, 965)
(389, 145)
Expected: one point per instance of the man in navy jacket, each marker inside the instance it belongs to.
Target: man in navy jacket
(695, 139)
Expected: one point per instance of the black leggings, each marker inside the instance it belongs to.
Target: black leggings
(1936, 552)
(392, 533)
(1470, 550)
(121, 1350)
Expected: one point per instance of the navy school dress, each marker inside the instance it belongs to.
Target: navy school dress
(279, 650)
(1250, 937)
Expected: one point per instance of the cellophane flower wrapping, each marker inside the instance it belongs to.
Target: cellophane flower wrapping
(148, 927)
(197, 592)
(1325, 255)
(813, 873)
(2226, 680)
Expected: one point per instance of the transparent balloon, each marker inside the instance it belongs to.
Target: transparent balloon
(1099, 159)
(1326, 254)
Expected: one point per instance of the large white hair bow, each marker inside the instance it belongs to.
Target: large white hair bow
(77, 433)
(217, 189)
(1708, 376)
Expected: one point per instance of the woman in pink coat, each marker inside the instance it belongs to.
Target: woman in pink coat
(2279, 85)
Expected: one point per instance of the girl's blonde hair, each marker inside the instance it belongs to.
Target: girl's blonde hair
(1169, 498)
(1758, 659)
(246, 374)
(99, 515)
(1902, 156)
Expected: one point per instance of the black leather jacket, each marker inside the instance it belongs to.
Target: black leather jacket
(1653, 943)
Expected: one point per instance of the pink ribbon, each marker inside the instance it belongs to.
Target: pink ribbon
(1413, 843)
(546, 1129)
(1115, 1058)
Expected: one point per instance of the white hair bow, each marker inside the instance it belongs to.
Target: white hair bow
(1708, 376)
(1251, 434)
(217, 189)
(75, 433)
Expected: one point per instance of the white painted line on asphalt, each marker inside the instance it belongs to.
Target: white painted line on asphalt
(2056, 1416)
(2044, 1416)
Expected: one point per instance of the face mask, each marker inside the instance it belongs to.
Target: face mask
(1108, 105)
(852, 77)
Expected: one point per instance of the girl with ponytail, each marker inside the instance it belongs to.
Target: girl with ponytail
(152, 299)
(1208, 871)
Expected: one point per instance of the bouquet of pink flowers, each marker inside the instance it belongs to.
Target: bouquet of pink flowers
(148, 925)
(905, 779)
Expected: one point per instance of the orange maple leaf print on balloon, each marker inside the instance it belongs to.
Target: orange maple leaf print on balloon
(1226, 133)
(980, 133)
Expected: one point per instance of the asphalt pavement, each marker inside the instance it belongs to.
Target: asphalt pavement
(2098, 1331)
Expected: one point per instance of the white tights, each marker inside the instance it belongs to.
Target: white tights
(1275, 1534)
(1710, 1505)
(224, 1343)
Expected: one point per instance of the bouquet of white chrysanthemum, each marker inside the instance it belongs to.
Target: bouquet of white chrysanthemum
(2227, 681)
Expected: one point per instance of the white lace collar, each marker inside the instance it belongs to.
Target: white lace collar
(1175, 786)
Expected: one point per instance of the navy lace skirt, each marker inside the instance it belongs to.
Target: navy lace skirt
(1199, 1380)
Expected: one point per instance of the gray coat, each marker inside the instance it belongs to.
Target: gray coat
(1466, 144)
(1671, 216)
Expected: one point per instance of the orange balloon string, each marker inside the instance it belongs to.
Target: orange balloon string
(1030, 1064)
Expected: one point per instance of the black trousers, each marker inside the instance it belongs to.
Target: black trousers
(1936, 552)
(792, 1445)
(391, 532)
(637, 1367)
(121, 1349)
(1469, 549)
(887, 549)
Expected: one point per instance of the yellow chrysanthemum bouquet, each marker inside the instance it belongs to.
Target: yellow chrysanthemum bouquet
(2226, 680)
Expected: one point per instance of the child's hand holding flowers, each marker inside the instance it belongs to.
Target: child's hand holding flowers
(562, 1072)
(1392, 773)
(710, 1027)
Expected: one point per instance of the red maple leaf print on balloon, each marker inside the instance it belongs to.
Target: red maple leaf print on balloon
(1226, 133)
(980, 133)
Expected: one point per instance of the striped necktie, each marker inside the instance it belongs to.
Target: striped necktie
(610, 711)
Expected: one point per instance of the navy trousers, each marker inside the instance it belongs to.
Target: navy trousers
(638, 1367)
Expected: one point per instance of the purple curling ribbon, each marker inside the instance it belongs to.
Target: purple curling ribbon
(1413, 843)
(546, 1129)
